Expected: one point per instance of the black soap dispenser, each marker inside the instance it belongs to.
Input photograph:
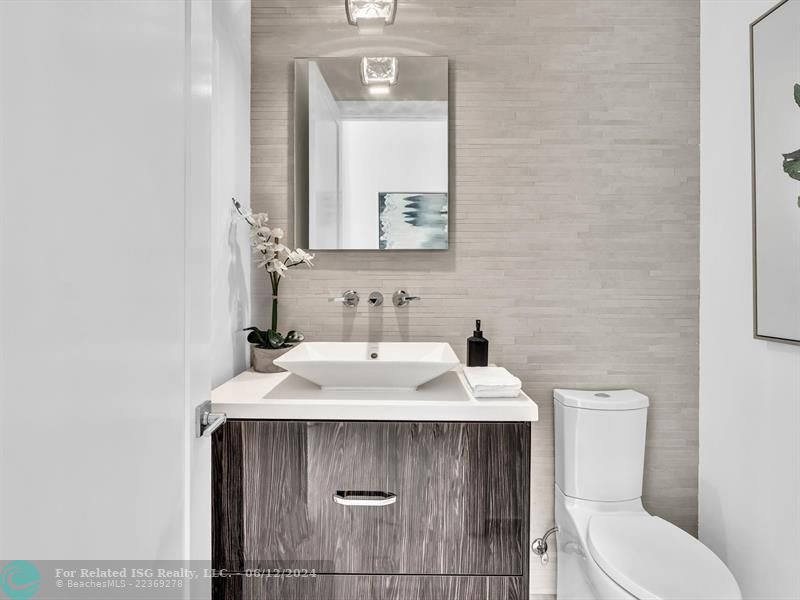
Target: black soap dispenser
(477, 348)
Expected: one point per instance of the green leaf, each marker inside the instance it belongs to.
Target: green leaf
(256, 336)
(791, 164)
(274, 339)
(792, 155)
(797, 93)
(293, 337)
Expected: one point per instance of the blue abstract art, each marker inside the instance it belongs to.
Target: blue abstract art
(412, 221)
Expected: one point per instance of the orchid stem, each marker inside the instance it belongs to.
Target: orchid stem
(275, 283)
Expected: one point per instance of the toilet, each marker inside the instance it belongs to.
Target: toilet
(609, 547)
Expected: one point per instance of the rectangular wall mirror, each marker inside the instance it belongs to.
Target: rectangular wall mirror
(371, 159)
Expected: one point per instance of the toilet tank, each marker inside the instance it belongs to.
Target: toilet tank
(599, 443)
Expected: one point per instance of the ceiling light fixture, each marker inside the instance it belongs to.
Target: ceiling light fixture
(370, 16)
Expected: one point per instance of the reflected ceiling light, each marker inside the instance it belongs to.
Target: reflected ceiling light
(379, 72)
(370, 15)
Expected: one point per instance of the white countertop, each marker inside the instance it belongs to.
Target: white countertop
(252, 395)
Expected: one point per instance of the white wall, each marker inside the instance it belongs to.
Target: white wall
(231, 256)
(387, 156)
(749, 479)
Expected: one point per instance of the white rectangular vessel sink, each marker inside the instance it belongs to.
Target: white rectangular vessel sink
(369, 366)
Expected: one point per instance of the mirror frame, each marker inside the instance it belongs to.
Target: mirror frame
(299, 208)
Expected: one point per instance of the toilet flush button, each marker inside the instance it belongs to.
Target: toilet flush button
(602, 395)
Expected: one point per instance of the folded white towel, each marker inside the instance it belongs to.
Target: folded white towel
(492, 382)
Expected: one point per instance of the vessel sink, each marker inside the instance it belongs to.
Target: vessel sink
(369, 366)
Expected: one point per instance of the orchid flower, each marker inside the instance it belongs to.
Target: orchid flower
(271, 255)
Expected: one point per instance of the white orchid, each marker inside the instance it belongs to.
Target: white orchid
(281, 250)
(277, 266)
(260, 220)
(301, 256)
(271, 254)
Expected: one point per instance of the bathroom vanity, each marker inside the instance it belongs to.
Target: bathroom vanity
(343, 495)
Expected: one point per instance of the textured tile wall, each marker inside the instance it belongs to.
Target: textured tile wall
(574, 141)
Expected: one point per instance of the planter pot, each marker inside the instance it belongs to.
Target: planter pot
(261, 359)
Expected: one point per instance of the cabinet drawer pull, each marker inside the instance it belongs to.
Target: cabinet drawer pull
(359, 498)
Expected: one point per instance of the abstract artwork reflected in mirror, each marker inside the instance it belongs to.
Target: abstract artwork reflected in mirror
(776, 173)
(371, 153)
(412, 221)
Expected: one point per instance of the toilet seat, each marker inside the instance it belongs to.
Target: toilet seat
(653, 559)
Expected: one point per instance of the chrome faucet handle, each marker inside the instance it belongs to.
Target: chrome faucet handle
(401, 298)
(349, 298)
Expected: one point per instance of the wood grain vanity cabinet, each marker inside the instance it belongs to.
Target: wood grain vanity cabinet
(458, 528)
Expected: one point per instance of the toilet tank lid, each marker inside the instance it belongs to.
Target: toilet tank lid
(602, 399)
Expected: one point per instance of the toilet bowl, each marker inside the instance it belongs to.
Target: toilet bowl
(609, 547)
